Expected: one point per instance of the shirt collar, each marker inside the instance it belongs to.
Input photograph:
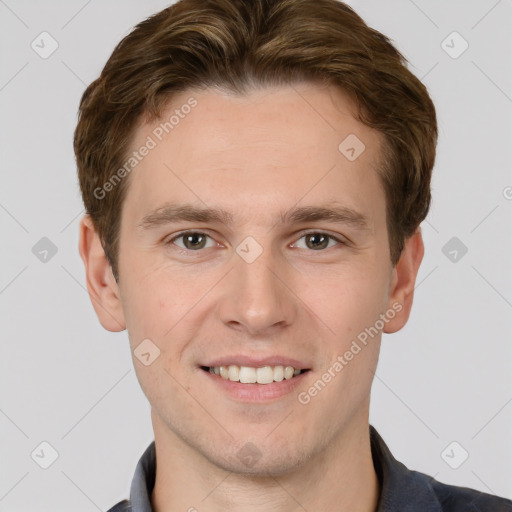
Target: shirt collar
(144, 481)
(399, 486)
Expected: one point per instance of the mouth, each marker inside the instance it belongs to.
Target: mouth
(255, 375)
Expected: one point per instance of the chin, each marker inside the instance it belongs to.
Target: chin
(265, 459)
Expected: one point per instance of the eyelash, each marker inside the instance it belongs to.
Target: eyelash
(302, 235)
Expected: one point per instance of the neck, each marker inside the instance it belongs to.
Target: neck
(341, 477)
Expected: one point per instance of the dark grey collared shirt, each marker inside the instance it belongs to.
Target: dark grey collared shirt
(402, 490)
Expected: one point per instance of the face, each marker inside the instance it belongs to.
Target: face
(287, 265)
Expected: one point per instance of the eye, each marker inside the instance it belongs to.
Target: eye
(317, 240)
(197, 240)
(192, 240)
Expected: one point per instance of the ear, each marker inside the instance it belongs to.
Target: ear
(403, 281)
(101, 285)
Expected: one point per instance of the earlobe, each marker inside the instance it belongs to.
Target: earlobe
(101, 285)
(403, 282)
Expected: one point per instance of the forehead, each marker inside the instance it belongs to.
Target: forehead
(273, 146)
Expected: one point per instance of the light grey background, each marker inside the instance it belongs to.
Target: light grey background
(64, 380)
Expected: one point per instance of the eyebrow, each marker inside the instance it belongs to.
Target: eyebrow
(173, 212)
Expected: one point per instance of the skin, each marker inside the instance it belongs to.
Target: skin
(256, 155)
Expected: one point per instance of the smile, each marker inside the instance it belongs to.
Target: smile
(252, 375)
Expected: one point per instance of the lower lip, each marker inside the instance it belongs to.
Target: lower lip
(256, 392)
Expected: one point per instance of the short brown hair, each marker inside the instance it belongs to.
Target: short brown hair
(239, 45)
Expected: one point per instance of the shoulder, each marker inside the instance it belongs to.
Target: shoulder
(402, 488)
(453, 498)
(122, 506)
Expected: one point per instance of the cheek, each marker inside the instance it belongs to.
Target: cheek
(348, 303)
(162, 305)
(146, 308)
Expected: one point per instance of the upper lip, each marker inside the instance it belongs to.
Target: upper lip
(256, 362)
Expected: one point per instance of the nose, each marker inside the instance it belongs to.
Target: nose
(257, 299)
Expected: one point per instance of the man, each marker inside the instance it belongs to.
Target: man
(254, 175)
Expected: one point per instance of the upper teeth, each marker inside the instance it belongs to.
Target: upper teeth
(248, 375)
